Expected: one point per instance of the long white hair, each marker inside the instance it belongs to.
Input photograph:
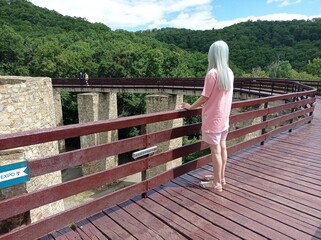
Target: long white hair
(218, 57)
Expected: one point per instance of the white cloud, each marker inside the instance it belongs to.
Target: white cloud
(124, 13)
(200, 19)
(269, 17)
(284, 3)
(197, 23)
(149, 14)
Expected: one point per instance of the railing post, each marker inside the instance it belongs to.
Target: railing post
(144, 174)
(311, 105)
(136, 155)
(264, 120)
(292, 110)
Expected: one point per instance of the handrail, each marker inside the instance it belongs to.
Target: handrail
(258, 84)
(296, 110)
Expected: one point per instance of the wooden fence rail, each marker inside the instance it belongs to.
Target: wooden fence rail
(258, 84)
(296, 109)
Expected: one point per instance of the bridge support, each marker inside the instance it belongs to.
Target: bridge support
(94, 107)
(59, 117)
(26, 104)
(241, 124)
(158, 103)
(246, 123)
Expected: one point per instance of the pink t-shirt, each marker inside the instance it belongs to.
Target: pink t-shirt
(216, 110)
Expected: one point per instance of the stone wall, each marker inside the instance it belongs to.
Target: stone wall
(245, 96)
(26, 103)
(59, 117)
(95, 107)
(159, 103)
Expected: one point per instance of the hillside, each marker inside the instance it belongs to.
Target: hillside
(40, 42)
(254, 44)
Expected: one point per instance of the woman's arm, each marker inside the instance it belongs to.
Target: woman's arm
(199, 102)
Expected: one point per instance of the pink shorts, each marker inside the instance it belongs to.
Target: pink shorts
(214, 138)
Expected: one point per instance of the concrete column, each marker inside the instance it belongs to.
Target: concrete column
(59, 117)
(26, 104)
(159, 103)
(94, 107)
(246, 123)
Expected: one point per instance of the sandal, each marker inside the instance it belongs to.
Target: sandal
(223, 181)
(210, 184)
(210, 178)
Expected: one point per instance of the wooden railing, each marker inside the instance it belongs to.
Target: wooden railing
(261, 85)
(312, 83)
(296, 110)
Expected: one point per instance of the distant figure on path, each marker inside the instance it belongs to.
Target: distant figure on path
(81, 75)
(216, 99)
(86, 78)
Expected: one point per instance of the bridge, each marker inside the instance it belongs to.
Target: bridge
(273, 189)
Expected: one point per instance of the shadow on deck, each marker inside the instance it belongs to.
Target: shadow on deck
(273, 192)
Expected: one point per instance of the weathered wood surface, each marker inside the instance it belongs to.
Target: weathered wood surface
(273, 192)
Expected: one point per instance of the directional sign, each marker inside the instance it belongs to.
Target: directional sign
(13, 174)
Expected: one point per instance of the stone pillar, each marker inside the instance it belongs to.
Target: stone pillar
(246, 123)
(94, 107)
(26, 104)
(59, 117)
(9, 157)
(159, 103)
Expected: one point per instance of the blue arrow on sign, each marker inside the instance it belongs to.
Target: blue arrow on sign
(13, 174)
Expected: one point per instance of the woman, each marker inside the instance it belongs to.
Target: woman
(216, 99)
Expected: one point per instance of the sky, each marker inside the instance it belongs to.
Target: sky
(136, 15)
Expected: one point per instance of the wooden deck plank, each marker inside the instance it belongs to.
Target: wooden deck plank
(263, 214)
(268, 183)
(294, 150)
(212, 211)
(48, 237)
(273, 191)
(299, 144)
(288, 169)
(268, 225)
(273, 210)
(297, 153)
(66, 234)
(302, 212)
(182, 219)
(109, 227)
(154, 224)
(288, 175)
(246, 189)
(276, 194)
(88, 231)
(272, 174)
(132, 225)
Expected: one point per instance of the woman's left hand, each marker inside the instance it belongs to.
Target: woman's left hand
(185, 105)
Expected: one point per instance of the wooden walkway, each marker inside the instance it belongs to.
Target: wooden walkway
(273, 192)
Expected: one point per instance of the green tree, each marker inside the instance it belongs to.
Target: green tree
(11, 51)
(44, 60)
(69, 107)
(314, 67)
(155, 60)
(279, 69)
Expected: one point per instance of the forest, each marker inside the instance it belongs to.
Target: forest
(36, 41)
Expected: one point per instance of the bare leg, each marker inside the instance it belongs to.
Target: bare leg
(224, 159)
(217, 163)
